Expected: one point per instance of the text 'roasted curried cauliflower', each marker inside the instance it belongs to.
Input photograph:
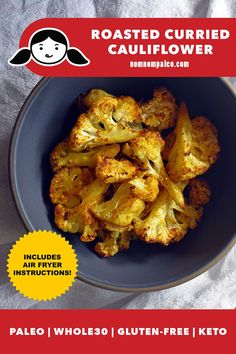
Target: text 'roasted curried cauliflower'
(118, 177)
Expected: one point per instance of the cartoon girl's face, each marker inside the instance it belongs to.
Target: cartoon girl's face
(48, 51)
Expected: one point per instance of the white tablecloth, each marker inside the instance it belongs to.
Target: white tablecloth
(214, 289)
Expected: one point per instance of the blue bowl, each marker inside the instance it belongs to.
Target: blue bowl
(47, 117)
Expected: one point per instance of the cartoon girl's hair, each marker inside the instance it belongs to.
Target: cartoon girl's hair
(23, 55)
(76, 57)
(54, 34)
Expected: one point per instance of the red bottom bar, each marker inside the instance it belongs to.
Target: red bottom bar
(117, 331)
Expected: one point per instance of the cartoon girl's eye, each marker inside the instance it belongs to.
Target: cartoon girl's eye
(56, 48)
(41, 48)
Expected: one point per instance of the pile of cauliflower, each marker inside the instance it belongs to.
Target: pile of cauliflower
(128, 170)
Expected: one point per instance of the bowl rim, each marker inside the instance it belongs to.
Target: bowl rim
(28, 227)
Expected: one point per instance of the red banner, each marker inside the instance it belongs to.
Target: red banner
(129, 47)
(112, 331)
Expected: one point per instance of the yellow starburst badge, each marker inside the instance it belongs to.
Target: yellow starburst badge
(42, 265)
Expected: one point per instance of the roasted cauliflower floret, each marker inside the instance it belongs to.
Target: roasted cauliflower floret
(169, 143)
(199, 192)
(127, 110)
(122, 209)
(105, 225)
(166, 221)
(75, 220)
(63, 156)
(196, 147)
(80, 219)
(112, 171)
(160, 111)
(67, 219)
(145, 187)
(94, 95)
(124, 240)
(146, 151)
(188, 218)
(99, 126)
(112, 243)
(66, 185)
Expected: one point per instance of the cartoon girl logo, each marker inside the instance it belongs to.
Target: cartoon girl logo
(48, 46)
